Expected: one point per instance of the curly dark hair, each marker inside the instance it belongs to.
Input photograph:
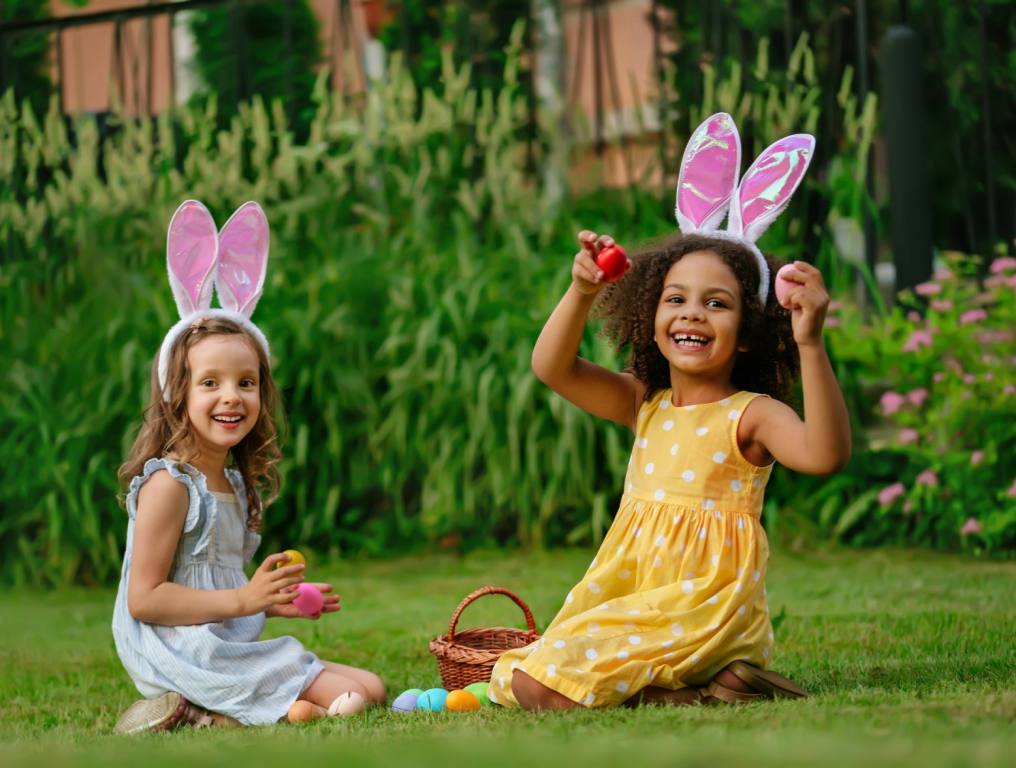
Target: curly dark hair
(771, 363)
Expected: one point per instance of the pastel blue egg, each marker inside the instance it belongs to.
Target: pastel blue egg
(432, 700)
(405, 702)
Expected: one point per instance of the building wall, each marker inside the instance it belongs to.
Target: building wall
(144, 79)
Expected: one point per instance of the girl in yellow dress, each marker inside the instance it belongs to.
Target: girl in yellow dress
(673, 607)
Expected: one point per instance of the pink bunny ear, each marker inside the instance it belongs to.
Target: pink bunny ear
(192, 246)
(768, 185)
(709, 168)
(243, 259)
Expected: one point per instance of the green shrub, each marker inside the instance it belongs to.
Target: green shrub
(413, 264)
(933, 393)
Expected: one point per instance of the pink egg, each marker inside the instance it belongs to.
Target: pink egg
(309, 600)
(783, 285)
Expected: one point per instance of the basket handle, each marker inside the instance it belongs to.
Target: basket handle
(490, 590)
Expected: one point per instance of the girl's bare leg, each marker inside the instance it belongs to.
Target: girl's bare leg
(534, 696)
(335, 680)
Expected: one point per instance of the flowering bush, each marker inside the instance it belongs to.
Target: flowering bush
(932, 388)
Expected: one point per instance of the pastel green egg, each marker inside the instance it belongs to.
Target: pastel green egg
(479, 690)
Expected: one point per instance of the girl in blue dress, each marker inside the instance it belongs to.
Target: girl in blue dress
(187, 621)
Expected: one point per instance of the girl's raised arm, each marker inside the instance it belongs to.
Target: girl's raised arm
(820, 444)
(555, 361)
(153, 599)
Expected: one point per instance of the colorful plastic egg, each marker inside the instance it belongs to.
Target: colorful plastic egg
(309, 601)
(783, 285)
(406, 701)
(432, 700)
(462, 701)
(346, 704)
(302, 712)
(295, 558)
(479, 690)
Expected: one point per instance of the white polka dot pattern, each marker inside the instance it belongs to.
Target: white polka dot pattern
(679, 575)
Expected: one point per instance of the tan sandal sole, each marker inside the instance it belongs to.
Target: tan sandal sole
(162, 713)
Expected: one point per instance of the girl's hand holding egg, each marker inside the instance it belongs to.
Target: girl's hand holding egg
(799, 287)
(599, 261)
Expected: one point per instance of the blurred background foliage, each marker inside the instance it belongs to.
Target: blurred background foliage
(968, 63)
(24, 59)
(414, 260)
(267, 48)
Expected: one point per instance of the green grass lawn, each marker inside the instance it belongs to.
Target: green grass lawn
(911, 658)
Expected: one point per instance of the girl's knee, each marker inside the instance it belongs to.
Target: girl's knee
(375, 689)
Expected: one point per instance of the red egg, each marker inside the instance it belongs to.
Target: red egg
(613, 261)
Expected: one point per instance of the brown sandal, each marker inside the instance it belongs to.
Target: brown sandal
(717, 693)
(770, 684)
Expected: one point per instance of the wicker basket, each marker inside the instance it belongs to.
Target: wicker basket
(469, 656)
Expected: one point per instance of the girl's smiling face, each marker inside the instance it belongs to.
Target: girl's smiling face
(699, 316)
(223, 395)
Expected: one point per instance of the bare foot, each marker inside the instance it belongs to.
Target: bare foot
(682, 697)
(303, 711)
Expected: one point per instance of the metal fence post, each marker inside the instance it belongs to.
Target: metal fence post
(903, 111)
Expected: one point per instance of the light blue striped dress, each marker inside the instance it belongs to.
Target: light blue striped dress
(221, 666)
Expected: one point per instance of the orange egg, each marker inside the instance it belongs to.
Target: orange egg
(302, 712)
(461, 701)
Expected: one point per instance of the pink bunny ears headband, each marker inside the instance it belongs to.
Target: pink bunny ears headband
(234, 259)
(707, 185)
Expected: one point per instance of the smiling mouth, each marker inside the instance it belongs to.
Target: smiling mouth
(691, 341)
(228, 419)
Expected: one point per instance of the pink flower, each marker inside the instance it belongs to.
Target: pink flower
(943, 274)
(976, 457)
(969, 378)
(917, 339)
(941, 305)
(996, 281)
(1002, 264)
(991, 337)
(891, 402)
(1012, 490)
(928, 478)
(890, 493)
(1009, 389)
(928, 289)
(907, 436)
(835, 306)
(938, 377)
(917, 396)
(989, 376)
(971, 526)
(972, 316)
(908, 507)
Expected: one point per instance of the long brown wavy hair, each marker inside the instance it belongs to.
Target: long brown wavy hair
(166, 429)
(771, 363)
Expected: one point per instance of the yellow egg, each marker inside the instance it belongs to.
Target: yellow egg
(295, 558)
(461, 701)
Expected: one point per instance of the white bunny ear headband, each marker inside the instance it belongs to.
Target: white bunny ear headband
(707, 185)
(234, 259)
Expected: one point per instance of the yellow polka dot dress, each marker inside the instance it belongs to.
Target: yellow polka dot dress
(677, 589)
